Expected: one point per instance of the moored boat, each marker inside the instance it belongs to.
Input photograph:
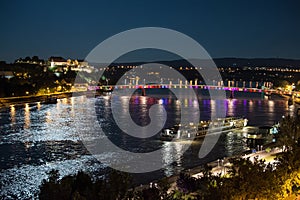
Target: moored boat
(50, 100)
(191, 131)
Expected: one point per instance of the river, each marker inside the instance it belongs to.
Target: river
(35, 137)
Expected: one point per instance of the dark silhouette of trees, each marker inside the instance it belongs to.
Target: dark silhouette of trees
(81, 186)
(250, 180)
(289, 132)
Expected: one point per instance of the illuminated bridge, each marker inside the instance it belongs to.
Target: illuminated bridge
(264, 90)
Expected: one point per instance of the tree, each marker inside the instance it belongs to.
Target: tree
(186, 183)
(35, 58)
(289, 132)
(250, 180)
(82, 186)
(27, 58)
(281, 83)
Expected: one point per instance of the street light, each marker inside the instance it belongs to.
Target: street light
(223, 166)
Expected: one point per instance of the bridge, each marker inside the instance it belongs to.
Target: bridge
(264, 90)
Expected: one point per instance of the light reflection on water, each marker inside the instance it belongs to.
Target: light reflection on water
(27, 116)
(38, 137)
(13, 114)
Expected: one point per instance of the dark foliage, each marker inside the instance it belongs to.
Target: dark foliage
(82, 186)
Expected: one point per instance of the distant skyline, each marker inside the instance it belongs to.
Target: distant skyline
(71, 29)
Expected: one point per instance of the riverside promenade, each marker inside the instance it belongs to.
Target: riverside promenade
(221, 166)
(218, 167)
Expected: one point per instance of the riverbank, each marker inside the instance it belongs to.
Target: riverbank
(7, 101)
(217, 166)
(295, 99)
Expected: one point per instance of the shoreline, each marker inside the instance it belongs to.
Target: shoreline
(19, 100)
(192, 171)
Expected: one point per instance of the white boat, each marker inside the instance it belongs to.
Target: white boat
(191, 132)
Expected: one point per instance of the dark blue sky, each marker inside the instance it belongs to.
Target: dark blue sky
(224, 28)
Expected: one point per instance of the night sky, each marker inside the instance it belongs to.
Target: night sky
(72, 29)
